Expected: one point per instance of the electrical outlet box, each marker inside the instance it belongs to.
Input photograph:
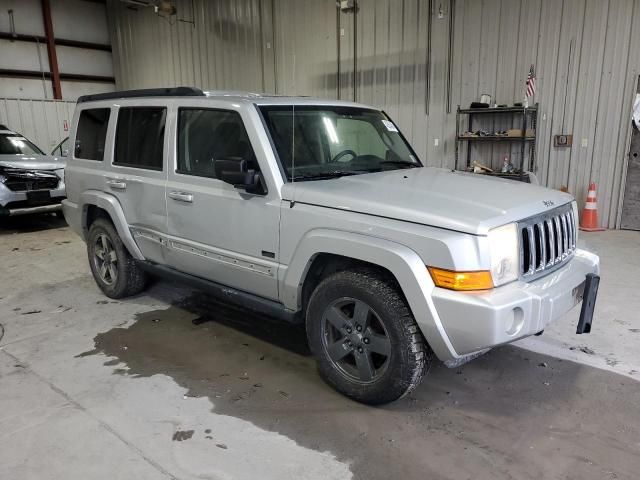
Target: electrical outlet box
(562, 140)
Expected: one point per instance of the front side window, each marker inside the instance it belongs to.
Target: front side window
(206, 135)
(91, 133)
(140, 137)
(318, 142)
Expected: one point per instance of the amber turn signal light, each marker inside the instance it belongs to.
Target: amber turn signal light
(478, 280)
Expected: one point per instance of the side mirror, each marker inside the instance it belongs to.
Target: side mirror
(235, 171)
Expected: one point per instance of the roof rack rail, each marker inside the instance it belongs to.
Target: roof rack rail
(3, 127)
(145, 92)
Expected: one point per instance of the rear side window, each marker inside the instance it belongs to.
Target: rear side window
(140, 137)
(91, 134)
(206, 135)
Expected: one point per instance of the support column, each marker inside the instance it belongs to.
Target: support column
(51, 49)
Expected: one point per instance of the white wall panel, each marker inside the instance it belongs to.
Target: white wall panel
(585, 53)
(25, 87)
(41, 121)
(74, 88)
(84, 61)
(305, 47)
(23, 55)
(80, 20)
(27, 16)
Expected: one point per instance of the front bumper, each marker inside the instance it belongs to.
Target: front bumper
(16, 203)
(475, 321)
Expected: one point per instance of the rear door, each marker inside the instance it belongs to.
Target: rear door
(138, 174)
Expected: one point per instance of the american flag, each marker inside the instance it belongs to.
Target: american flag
(531, 83)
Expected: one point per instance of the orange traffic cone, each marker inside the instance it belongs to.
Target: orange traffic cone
(589, 217)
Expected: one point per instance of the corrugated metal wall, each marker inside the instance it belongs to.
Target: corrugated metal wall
(417, 59)
(41, 121)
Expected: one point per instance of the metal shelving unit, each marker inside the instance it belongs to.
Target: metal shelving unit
(522, 118)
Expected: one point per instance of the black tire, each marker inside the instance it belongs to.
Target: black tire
(129, 279)
(386, 377)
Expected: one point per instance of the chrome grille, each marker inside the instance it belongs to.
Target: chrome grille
(547, 241)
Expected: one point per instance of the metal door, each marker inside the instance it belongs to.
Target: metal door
(219, 232)
(631, 205)
(141, 193)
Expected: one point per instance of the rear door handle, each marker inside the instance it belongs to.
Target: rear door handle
(181, 196)
(117, 184)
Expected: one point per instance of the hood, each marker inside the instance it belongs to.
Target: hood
(32, 162)
(459, 201)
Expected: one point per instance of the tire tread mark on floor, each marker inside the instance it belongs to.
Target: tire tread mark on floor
(104, 425)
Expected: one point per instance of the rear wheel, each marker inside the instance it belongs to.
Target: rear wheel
(113, 268)
(366, 341)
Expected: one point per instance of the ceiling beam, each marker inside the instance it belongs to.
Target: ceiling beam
(79, 77)
(58, 41)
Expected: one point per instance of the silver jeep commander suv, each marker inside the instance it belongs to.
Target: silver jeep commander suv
(319, 211)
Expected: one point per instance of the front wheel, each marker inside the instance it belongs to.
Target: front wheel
(364, 337)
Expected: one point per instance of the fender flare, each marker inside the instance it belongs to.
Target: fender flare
(112, 206)
(404, 263)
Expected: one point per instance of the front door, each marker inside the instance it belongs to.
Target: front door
(216, 231)
(137, 175)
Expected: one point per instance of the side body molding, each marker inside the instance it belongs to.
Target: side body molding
(110, 204)
(405, 264)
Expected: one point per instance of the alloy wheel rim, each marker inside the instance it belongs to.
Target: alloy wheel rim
(355, 340)
(105, 259)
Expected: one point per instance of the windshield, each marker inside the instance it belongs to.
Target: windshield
(318, 142)
(17, 145)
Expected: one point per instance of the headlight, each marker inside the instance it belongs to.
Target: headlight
(60, 173)
(505, 258)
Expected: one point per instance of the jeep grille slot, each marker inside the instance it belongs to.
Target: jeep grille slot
(547, 241)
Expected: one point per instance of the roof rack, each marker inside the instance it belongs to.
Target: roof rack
(145, 92)
(3, 127)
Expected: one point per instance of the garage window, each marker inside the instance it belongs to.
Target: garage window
(140, 137)
(92, 133)
(206, 135)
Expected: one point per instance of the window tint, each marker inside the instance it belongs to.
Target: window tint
(140, 137)
(92, 133)
(208, 135)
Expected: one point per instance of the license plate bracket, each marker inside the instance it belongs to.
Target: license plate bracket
(38, 196)
(588, 303)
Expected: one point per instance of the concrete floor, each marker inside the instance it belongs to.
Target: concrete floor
(173, 385)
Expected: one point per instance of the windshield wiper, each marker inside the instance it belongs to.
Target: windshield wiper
(327, 175)
(400, 162)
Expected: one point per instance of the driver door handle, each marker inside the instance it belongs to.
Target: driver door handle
(181, 196)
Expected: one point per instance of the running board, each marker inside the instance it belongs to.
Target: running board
(227, 294)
